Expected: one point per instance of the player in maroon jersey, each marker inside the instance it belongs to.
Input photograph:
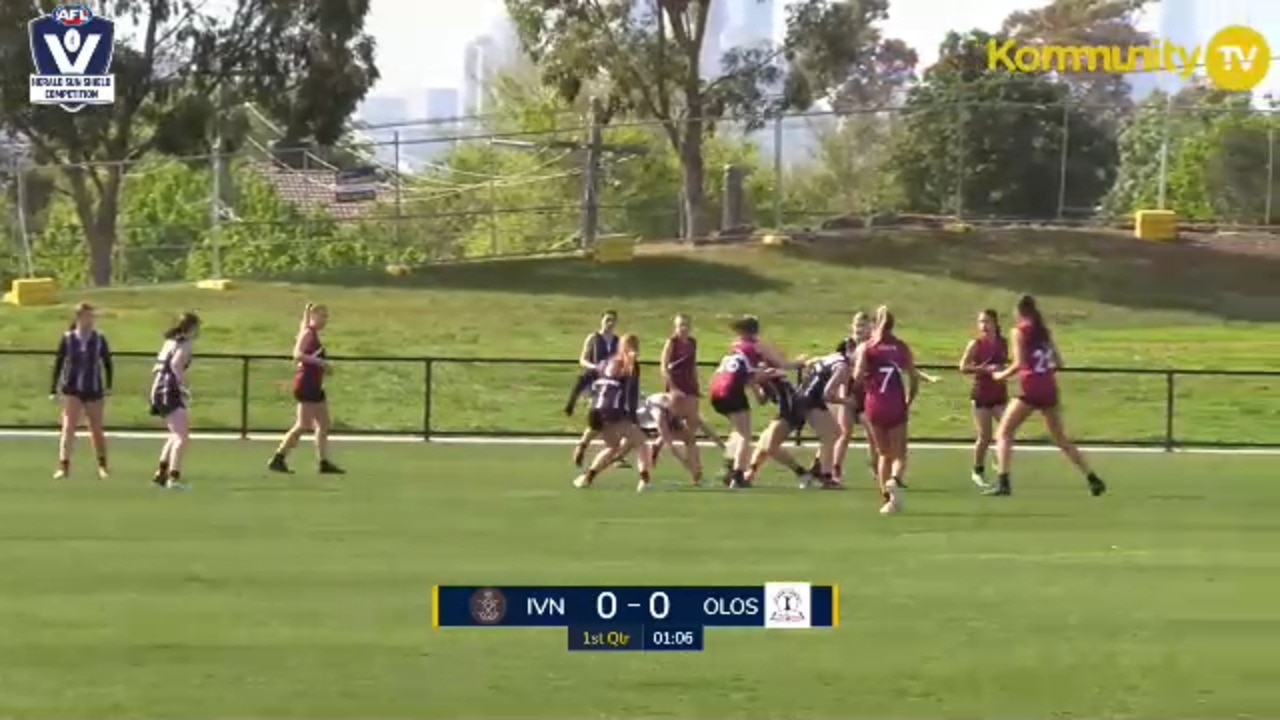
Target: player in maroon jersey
(748, 364)
(679, 364)
(312, 412)
(1035, 361)
(986, 354)
(613, 414)
(890, 381)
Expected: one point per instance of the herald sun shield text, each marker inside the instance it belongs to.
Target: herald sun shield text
(71, 51)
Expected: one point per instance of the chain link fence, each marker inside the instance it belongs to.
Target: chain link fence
(473, 188)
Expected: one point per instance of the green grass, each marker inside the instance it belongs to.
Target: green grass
(257, 596)
(1114, 302)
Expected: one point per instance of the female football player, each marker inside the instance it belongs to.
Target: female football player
(613, 415)
(170, 397)
(987, 353)
(1035, 361)
(82, 377)
(312, 412)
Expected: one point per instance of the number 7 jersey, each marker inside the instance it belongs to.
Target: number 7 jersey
(885, 384)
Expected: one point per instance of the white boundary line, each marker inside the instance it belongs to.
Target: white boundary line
(517, 440)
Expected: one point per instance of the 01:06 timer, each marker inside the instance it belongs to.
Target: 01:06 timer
(671, 639)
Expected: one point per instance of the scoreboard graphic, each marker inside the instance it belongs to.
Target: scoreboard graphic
(629, 618)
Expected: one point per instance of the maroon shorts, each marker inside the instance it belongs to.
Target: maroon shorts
(684, 385)
(1040, 393)
(1040, 400)
(885, 417)
(989, 400)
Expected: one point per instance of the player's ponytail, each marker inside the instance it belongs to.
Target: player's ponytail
(306, 317)
(182, 328)
(884, 322)
(1029, 311)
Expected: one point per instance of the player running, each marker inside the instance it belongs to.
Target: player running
(985, 355)
(1035, 361)
(597, 348)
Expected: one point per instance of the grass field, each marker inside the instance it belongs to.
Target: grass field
(256, 596)
(269, 597)
(1113, 302)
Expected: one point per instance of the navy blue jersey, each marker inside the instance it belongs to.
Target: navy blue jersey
(820, 374)
(82, 365)
(601, 347)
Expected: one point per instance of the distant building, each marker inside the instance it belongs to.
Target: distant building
(480, 62)
(383, 110)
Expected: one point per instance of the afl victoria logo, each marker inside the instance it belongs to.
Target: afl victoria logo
(488, 606)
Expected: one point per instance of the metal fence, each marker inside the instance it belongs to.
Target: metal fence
(437, 397)
(484, 187)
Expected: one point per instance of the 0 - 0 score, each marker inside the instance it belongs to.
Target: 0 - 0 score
(659, 605)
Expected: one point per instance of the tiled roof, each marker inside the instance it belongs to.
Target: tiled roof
(311, 189)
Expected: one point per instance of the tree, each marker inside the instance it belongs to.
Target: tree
(644, 55)
(993, 143)
(308, 62)
(1219, 156)
(1086, 23)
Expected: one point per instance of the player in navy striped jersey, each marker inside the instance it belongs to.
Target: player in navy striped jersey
(170, 396)
(827, 388)
(597, 348)
(82, 377)
(613, 414)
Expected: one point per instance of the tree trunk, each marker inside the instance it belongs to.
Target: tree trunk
(102, 243)
(694, 183)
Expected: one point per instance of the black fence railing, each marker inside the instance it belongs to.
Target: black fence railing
(428, 397)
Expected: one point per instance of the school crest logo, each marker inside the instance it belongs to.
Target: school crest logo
(488, 606)
(787, 605)
(71, 51)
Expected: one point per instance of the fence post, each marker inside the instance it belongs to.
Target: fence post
(1168, 411)
(244, 397)
(427, 365)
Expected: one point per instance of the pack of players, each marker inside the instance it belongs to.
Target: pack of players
(869, 381)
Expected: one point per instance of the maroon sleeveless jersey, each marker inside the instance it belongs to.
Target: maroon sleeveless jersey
(989, 350)
(682, 366)
(885, 386)
(1037, 371)
(309, 376)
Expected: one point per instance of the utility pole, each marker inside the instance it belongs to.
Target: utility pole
(595, 151)
(221, 179)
